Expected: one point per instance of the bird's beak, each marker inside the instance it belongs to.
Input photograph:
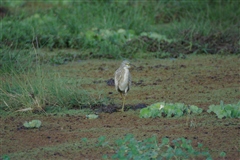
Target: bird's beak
(132, 65)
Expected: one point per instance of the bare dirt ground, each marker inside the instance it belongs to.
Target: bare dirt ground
(196, 80)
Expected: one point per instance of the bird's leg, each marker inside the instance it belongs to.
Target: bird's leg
(123, 103)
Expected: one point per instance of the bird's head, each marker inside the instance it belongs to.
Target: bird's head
(126, 64)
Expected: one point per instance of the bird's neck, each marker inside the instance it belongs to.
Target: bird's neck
(126, 69)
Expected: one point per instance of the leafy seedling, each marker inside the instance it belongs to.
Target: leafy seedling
(92, 116)
(5, 157)
(131, 148)
(162, 109)
(32, 124)
(225, 110)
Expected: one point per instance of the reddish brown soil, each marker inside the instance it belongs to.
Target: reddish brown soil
(197, 80)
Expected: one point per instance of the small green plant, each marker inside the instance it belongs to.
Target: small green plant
(85, 140)
(163, 109)
(102, 142)
(223, 154)
(225, 110)
(32, 124)
(92, 116)
(5, 157)
(180, 148)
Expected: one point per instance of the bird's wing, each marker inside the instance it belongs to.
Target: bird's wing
(117, 78)
(129, 81)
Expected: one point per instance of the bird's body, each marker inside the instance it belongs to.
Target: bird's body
(122, 80)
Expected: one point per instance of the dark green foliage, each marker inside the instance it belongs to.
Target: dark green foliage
(180, 148)
(198, 26)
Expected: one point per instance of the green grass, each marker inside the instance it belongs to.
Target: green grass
(26, 86)
(66, 24)
(39, 90)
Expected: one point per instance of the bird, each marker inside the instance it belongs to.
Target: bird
(122, 80)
